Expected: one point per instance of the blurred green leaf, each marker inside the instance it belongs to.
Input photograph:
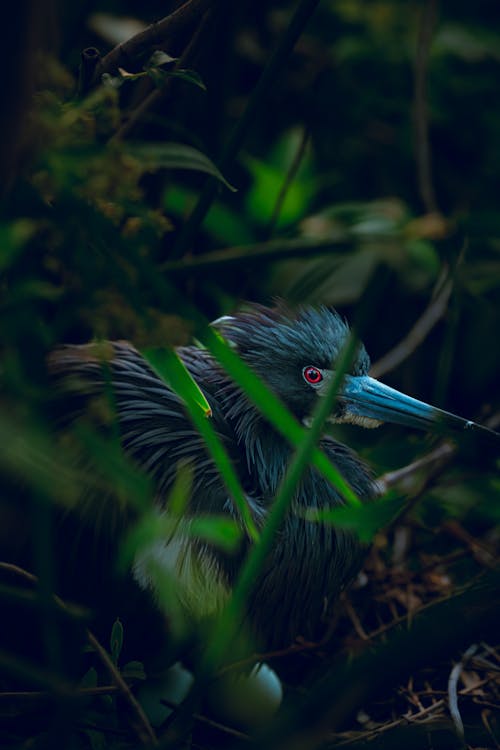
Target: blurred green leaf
(159, 57)
(116, 641)
(159, 77)
(365, 520)
(221, 531)
(183, 384)
(153, 156)
(89, 679)
(133, 670)
(272, 408)
(170, 367)
(13, 238)
(222, 223)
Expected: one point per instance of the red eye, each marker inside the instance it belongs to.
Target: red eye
(312, 375)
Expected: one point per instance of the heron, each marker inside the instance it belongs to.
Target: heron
(295, 353)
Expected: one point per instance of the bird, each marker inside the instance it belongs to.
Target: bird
(295, 353)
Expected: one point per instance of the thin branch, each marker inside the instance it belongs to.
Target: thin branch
(287, 182)
(433, 462)
(37, 695)
(144, 730)
(433, 313)
(423, 153)
(273, 250)
(452, 689)
(436, 631)
(152, 99)
(298, 21)
(407, 718)
(156, 35)
(141, 725)
(202, 719)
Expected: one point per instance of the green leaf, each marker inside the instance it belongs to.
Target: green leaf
(173, 155)
(116, 640)
(221, 531)
(190, 76)
(134, 670)
(159, 57)
(124, 476)
(273, 409)
(112, 82)
(365, 520)
(222, 223)
(89, 679)
(13, 238)
(171, 369)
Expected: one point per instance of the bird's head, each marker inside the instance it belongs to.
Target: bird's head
(296, 354)
(293, 352)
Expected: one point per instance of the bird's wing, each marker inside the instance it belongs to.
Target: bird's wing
(112, 385)
(114, 382)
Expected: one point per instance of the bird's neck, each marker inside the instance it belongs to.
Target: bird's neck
(268, 454)
(266, 451)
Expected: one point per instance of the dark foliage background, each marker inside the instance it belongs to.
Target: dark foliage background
(363, 145)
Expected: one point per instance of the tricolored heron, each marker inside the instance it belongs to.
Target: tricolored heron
(295, 354)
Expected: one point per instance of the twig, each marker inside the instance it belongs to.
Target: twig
(37, 695)
(452, 689)
(161, 93)
(300, 17)
(423, 155)
(156, 35)
(202, 719)
(489, 728)
(355, 620)
(408, 718)
(480, 552)
(142, 727)
(272, 250)
(144, 730)
(434, 461)
(433, 313)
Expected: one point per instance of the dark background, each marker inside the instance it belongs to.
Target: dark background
(379, 132)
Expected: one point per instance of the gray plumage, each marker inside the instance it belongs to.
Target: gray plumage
(310, 562)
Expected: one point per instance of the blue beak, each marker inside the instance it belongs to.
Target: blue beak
(366, 397)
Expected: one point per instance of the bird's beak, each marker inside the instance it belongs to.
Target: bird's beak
(366, 400)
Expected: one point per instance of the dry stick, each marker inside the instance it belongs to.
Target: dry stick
(438, 457)
(155, 96)
(433, 313)
(156, 35)
(408, 718)
(452, 689)
(144, 730)
(26, 695)
(258, 252)
(423, 154)
(202, 719)
(436, 460)
(142, 727)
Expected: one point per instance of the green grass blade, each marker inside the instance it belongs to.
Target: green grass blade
(170, 368)
(272, 408)
(228, 622)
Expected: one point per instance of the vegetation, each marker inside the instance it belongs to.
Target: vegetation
(335, 152)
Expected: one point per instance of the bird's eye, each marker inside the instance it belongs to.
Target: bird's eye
(312, 375)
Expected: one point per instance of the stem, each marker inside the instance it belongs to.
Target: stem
(303, 12)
